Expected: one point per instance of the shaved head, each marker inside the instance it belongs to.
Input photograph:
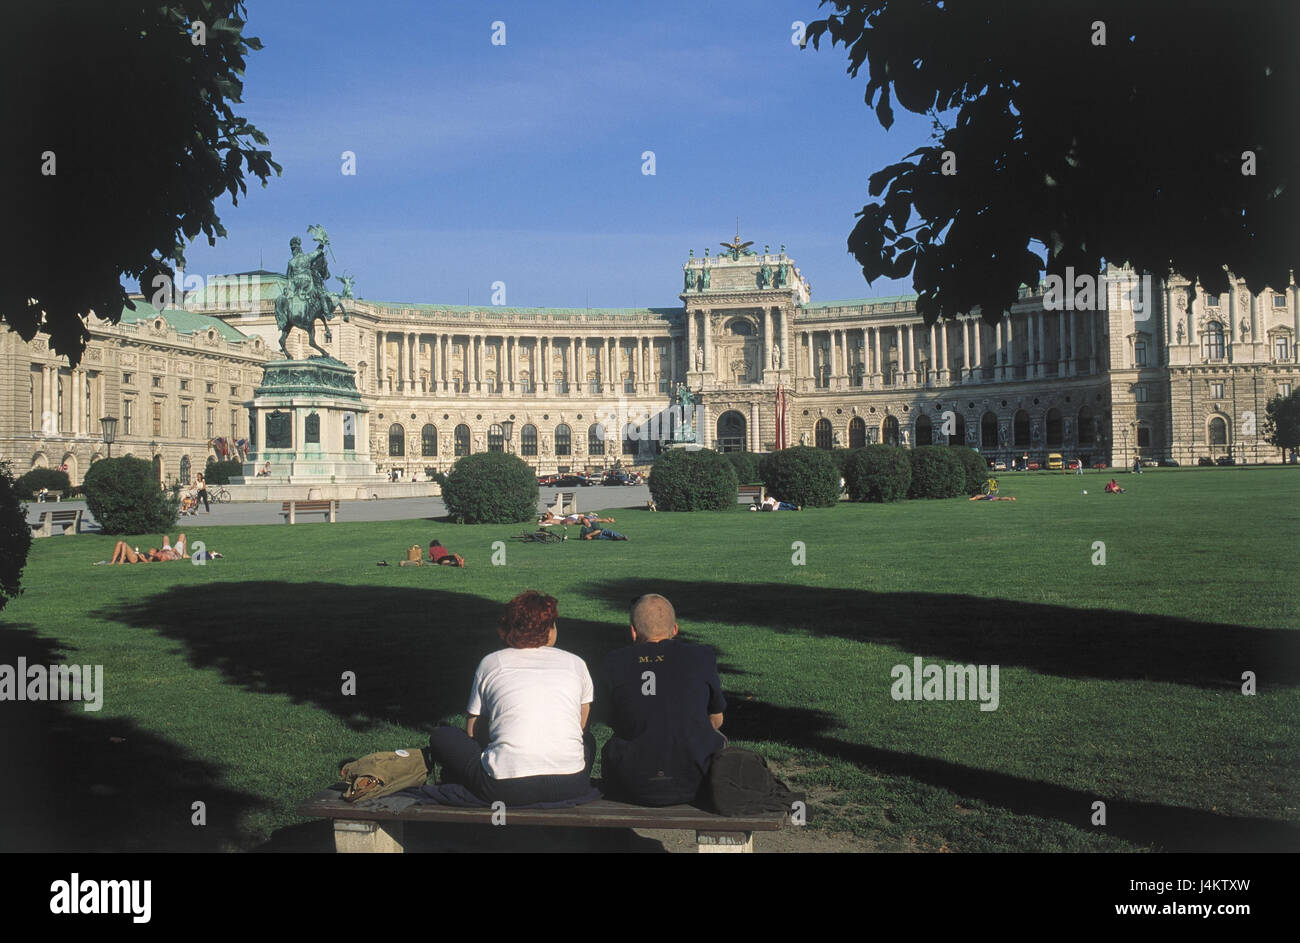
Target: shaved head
(653, 617)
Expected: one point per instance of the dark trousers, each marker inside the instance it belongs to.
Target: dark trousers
(203, 493)
(461, 759)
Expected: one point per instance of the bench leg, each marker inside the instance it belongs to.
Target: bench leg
(722, 843)
(352, 837)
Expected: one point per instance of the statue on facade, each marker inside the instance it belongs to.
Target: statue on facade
(685, 432)
(1180, 333)
(305, 300)
(776, 356)
(765, 275)
(699, 359)
(703, 281)
(690, 279)
(1245, 329)
(803, 437)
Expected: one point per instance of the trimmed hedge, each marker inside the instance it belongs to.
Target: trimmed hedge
(220, 473)
(841, 458)
(746, 465)
(15, 538)
(802, 475)
(936, 473)
(693, 480)
(124, 496)
(490, 488)
(975, 466)
(33, 481)
(878, 473)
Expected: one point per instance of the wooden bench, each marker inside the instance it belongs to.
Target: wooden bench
(746, 494)
(69, 520)
(291, 509)
(55, 496)
(377, 830)
(566, 502)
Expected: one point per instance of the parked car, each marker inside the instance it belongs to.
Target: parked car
(1226, 460)
(1101, 463)
(569, 481)
(619, 478)
(1168, 463)
(1074, 464)
(545, 481)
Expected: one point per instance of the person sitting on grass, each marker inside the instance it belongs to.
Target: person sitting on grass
(592, 532)
(443, 557)
(1112, 487)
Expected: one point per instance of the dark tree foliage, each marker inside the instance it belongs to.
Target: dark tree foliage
(220, 473)
(936, 473)
(975, 466)
(490, 488)
(143, 137)
(802, 475)
(15, 538)
(878, 473)
(699, 480)
(29, 483)
(1282, 423)
(746, 465)
(1070, 153)
(124, 496)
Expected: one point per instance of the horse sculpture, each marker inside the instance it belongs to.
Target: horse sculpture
(304, 300)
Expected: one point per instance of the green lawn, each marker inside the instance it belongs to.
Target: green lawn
(1119, 683)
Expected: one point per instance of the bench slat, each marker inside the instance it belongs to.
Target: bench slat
(603, 813)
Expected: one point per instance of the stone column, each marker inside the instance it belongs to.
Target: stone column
(877, 372)
(977, 346)
(1060, 343)
(691, 341)
(611, 367)
(1032, 341)
(710, 370)
(768, 322)
(412, 352)
(834, 360)
(704, 434)
(755, 441)
(672, 362)
(1092, 342)
(787, 351)
(965, 349)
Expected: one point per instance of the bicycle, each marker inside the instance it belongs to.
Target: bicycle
(220, 496)
(541, 537)
(990, 486)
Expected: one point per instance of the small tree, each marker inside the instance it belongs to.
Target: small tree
(490, 488)
(15, 538)
(220, 473)
(1282, 424)
(802, 475)
(124, 496)
(936, 473)
(878, 473)
(697, 480)
(33, 481)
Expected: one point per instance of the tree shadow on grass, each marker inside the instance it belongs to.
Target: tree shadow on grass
(1058, 640)
(413, 651)
(80, 782)
(1146, 824)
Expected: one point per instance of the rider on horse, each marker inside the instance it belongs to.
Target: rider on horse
(305, 300)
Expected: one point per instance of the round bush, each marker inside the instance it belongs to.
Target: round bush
(490, 488)
(936, 473)
(29, 484)
(841, 458)
(746, 465)
(878, 473)
(15, 538)
(974, 465)
(124, 496)
(693, 480)
(802, 475)
(220, 473)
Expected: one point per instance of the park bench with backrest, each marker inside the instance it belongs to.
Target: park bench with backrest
(291, 509)
(566, 502)
(746, 494)
(358, 829)
(69, 521)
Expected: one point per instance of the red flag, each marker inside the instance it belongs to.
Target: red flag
(780, 417)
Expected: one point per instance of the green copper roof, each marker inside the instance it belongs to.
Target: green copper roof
(182, 322)
(490, 310)
(860, 302)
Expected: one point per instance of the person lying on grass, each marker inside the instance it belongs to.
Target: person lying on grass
(442, 556)
(1112, 487)
(592, 532)
(124, 553)
(573, 519)
(990, 497)
(772, 504)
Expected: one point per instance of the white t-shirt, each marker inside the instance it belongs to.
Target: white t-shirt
(531, 698)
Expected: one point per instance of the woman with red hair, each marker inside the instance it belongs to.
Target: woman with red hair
(526, 739)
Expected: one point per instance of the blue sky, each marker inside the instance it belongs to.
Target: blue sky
(522, 163)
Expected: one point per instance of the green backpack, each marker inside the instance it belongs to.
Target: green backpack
(381, 774)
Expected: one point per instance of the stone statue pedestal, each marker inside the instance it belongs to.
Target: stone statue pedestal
(309, 424)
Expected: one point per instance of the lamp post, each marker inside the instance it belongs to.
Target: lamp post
(109, 426)
(507, 433)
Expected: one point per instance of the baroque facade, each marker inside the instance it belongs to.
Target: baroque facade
(1125, 367)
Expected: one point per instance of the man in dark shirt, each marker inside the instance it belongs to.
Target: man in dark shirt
(664, 701)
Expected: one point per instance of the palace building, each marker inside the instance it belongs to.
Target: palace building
(1147, 369)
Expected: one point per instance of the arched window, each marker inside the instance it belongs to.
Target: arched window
(528, 440)
(596, 439)
(742, 327)
(1054, 437)
(185, 469)
(1212, 345)
(429, 441)
(396, 440)
(924, 431)
(857, 433)
(958, 434)
(496, 438)
(1144, 437)
(822, 436)
(1020, 429)
(889, 430)
(462, 440)
(731, 432)
(989, 430)
(563, 440)
(1218, 431)
(1085, 428)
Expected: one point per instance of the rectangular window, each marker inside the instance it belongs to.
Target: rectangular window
(594, 386)
(1284, 390)
(185, 384)
(1279, 301)
(1139, 394)
(1140, 354)
(212, 388)
(157, 382)
(127, 405)
(185, 421)
(1211, 301)
(1282, 348)
(234, 423)
(663, 384)
(234, 391)
(128, 379)
(157, 417)
(1216, 391)
(212, 430)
